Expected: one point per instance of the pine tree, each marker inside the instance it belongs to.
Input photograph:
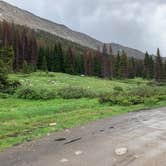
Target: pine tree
(151, 67)
(103, 67)
(40, 58)
(61, 58)
(123, 65)
(89, 63)
(3, 74)
(44, 64)
(131, 67)
(147, 66)
(165, 71)
(69, 64)
(97, 64)
(112, 63)
(7, 55)
(117, 65)
(158, 67)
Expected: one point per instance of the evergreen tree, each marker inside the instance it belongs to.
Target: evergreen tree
(158, 67)
(44, 64)
(131, 68)
(151, 67)
(7, 55)
(89, 63)
(69, 63)
(147, 66)
(97, 64)
(3, 74)
(104, 61)
(40, 58)
(165, 71)
(123, 65)
(60, 58)
(117, 65)
(112, 63)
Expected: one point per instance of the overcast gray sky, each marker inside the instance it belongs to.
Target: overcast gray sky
(139, 24)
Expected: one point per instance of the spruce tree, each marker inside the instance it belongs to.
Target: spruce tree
(7, 56)
(123, 65)
(151, 67)
(97, 65)
(158, 67)
(3, 74)
(146, 66)
(104, 62)
(117, 65)
(44, 64)
(131, 67)
(60, 58)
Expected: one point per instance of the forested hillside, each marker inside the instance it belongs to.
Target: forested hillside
(34, 50)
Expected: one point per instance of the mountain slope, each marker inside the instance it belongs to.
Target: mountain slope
(13, 14)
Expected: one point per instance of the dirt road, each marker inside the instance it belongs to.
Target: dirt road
(134, 139)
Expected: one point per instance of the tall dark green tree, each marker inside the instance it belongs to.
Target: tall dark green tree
(60, 58)
(131, 68)
(7, 56)
(117, 65)
(151, 67)
(123, 65)
(158, 67)
(146, 66)
(69, 64)
(97, 64)
(3, 74)
(44, 64)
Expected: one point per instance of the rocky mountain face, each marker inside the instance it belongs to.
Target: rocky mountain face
(16, 15)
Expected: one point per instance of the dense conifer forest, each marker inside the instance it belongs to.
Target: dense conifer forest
(26, 50)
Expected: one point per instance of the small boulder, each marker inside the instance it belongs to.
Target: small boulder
(121, 151)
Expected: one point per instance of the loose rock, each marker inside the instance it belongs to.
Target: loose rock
(121, 151)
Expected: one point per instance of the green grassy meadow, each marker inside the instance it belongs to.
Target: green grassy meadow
(24, 120)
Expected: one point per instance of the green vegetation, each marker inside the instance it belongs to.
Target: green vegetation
(45, 98)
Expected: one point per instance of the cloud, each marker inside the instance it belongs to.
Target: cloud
(136, 23)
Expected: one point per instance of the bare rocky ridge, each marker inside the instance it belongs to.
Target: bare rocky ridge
(13, 14)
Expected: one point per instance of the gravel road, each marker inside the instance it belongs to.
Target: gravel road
(133, 139)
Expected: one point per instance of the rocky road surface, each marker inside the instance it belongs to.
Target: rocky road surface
(134, 139)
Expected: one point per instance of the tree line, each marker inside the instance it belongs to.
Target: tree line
(28, 51)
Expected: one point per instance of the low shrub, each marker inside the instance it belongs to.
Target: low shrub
(35, 94)
(136, 100)
(10, 87)
(161, 97)
(70, 92)
(123, 100)
(4, 95)
(151, 101)
(118, 88)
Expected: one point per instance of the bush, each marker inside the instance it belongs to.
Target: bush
(35, 94)
(161, 97)
(136, 100)
(151, 101)
(4, 96)
(123, 100)
(3, 74)
(118, 88)
(75, 93)
(10, 87)
(144, 91)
